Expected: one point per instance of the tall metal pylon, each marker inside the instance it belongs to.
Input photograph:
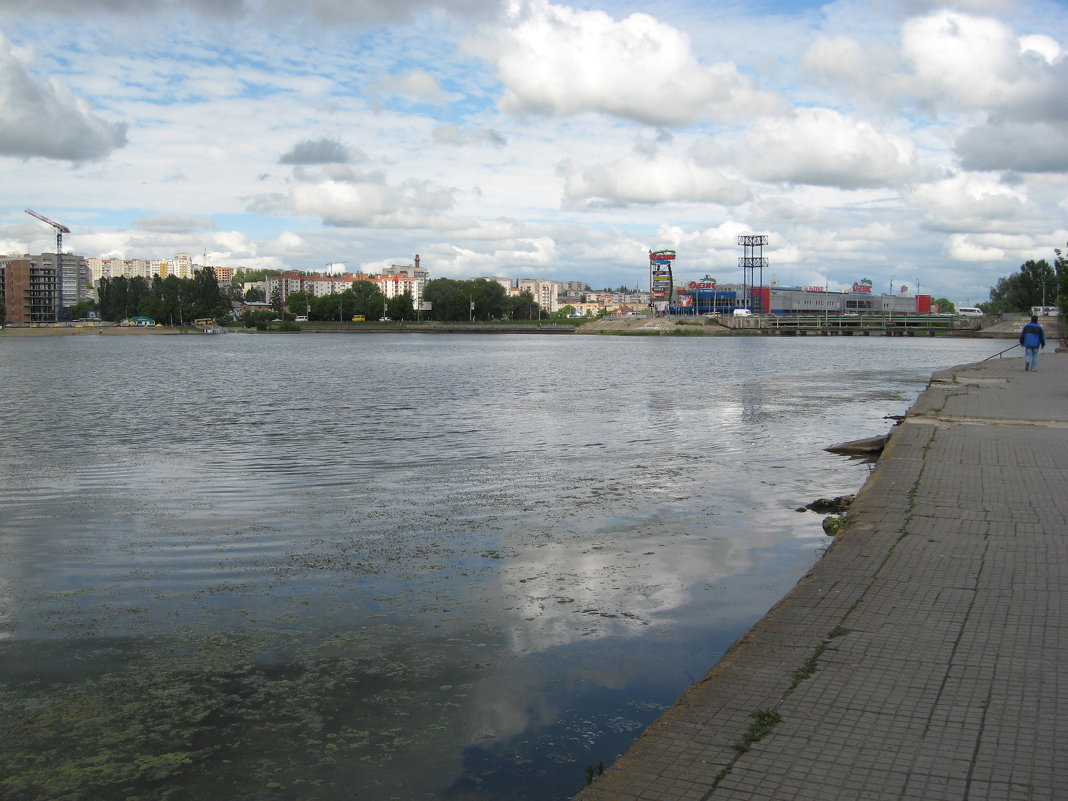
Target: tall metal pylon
(752, 260)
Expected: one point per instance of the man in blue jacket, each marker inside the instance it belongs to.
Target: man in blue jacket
(1032, 337)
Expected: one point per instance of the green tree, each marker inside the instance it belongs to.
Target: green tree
(945, 305)
(1035, 282)
(401, 307)
(522, 306)
(368, 300)
(299, 302)
(243, 276)
(1060, 268)
(255, 294)
(205, 296)
(79, 309)
(452, 300)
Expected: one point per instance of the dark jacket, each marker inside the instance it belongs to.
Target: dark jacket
(1032, 336)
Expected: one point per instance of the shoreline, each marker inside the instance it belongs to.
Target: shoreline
(922, 642)
(632, 327)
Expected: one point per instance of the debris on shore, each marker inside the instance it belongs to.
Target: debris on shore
(824, 506)
(871, 446)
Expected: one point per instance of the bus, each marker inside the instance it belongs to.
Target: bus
(204, 321)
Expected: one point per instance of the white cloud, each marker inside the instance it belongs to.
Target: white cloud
(415, 83)
(557, 60)
(343, 197)
(970, 203)
(826, 148)
(46, 119)
(640, 179)
(966, 62)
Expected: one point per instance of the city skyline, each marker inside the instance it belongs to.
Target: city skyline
(906, 143)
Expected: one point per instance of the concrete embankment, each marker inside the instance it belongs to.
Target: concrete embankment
(923, 656)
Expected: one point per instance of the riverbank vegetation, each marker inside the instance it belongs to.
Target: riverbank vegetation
(1036, 283)
(171, 300)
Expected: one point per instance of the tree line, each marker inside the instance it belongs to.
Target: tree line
(1036, 283)
(171, 300)
(450, 301)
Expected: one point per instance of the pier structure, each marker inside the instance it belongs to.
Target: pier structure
(923, 656)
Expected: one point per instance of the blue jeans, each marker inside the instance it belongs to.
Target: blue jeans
(1030, 358)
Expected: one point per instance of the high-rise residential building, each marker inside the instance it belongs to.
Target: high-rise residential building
(182, 265)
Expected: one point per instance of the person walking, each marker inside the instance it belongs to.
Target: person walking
(1032, 337)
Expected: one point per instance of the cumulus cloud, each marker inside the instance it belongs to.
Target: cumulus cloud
(639, 179)
(557, 60)
(320, 151)
(46, 119)
(823, 147)
(343, 197)
(970, 203)
(968, 62)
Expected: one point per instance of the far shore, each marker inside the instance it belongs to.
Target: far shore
(608, 326)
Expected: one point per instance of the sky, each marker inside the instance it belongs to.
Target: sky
(916, 144)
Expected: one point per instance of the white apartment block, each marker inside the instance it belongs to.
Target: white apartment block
(545, 292)
(122, 268)
(320, 284)
(181, 265)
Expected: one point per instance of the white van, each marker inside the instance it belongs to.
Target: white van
(742, 313)
(969, 311)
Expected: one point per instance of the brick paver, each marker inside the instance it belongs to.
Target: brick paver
(923, 657)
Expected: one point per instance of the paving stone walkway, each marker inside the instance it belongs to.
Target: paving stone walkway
(926, 655)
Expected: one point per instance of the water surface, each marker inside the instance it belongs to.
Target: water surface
(398, 566)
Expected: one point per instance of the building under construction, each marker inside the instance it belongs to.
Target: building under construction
(30, 286)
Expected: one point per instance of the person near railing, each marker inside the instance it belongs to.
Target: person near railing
(1032, 338)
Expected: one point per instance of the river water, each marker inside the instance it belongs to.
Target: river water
(445, 567)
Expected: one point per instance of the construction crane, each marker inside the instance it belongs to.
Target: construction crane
(60, 230)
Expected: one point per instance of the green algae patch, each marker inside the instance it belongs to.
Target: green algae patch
(232, 719)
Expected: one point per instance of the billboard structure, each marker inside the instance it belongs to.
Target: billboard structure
(661, 284)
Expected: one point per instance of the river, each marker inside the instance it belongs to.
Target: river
(460, 568)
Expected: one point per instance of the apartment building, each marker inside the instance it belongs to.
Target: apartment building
(546, 293)
(401, 278)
